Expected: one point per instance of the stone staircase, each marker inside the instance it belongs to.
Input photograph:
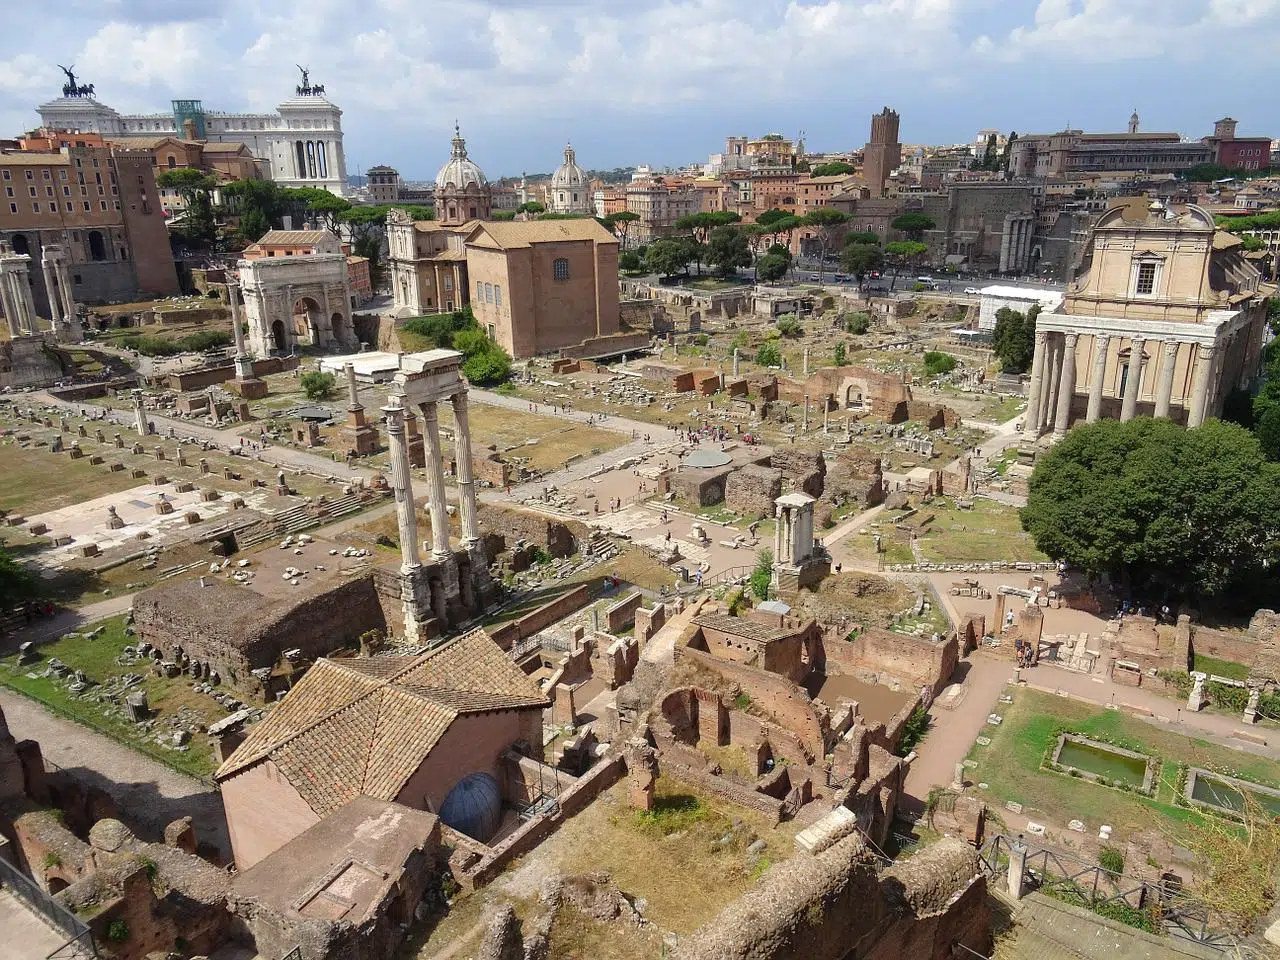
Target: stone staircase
(297, 519)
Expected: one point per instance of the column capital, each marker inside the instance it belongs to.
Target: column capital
(1071, 339)
(1041, 336)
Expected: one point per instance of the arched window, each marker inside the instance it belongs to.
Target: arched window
(560, 269)
(173, 161)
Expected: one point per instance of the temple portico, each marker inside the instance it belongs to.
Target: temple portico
(62, 303)
(1164, 318)
(15, 293)
(798, 561)
(451, 585)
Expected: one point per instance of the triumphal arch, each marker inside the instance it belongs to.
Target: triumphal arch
(297, 301)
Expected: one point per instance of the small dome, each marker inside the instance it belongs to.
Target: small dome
(569, 175)
(460, 172)
(474, 806)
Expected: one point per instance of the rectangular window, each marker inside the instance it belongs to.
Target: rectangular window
(45, 174)
(35, 208)
(62, 175)
(71, 207)
(6, 174)
(1146, 279)
(497, 294)
(30, 175)
(87, 206)
(13, 208)
(32, 190)
(479, 291)
(103, 203)
(48, 191)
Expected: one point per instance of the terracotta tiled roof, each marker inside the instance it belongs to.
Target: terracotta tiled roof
(742, 627)
(290, 238)
(363, 726)
(506, 235)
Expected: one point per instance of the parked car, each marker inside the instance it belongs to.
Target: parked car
(972, 291)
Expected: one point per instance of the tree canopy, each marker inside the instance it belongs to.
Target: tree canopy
(669, 256)
(16, 581)
(1167, 511)
(196, 190)
(913, 224)
(727, 250)
(1014, 338)
(772, 267)
(825, 221)
(862, 236)
(702, 224)
(860, 259)
(834, 168)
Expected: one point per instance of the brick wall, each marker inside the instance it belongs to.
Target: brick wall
(544, 616)
(726, 789)
(752, 490)
(623, 613)
(560, 538)
(788, 704)
(916, 660)
(649, 622)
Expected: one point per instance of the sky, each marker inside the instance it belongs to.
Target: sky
(661, 82)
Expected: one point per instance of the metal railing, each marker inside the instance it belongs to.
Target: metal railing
(1172, 911)
(79, 940)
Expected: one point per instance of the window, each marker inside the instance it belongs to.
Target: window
(103, 204)
(32, 190)
(488, 293)
(87, 206)
(492, 332)
(70, 207)
(497, 294)
(45, 173)
(1146, 284)
(173, 162)
(479, 291)
(66, 191)
(13, 208)
(560, 269)
(48, 191)
(35, 208)
(6, 174)
(30, 175)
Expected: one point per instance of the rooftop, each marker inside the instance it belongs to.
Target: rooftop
(524, 233)
(365, 725)
(742, 627)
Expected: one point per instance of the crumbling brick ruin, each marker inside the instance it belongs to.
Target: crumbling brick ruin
(802, 470)
(752, 490)
(855, 476)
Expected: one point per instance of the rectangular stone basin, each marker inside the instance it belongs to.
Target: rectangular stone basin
(1094, 761)
(1217, 792)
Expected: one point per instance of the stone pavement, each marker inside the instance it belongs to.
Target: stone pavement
(27, 936)
(148, 794)
(953, 731)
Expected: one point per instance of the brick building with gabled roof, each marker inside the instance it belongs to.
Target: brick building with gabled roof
(405, 729)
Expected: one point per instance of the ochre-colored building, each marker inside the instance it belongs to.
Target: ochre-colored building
(535, 286)
(406, 729)
(1164, 317)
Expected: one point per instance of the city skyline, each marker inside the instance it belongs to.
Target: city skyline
(662, 85)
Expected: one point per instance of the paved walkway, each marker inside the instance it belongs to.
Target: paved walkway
(27, 935)
(953, 731)
(148, 794)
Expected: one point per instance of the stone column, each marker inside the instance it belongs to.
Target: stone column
(826, 404)
(466, 484)
(402, 486)
(1200, 388)
(806, 363)
(1066, 388)
(1101, 345)
(10, 310)
(735, 361)
(435, 482)
(244, 363)
(46, 267)
(353, 392)
(777, 534)
(1031, 421)
(1164, 390)
(20, 292)
(65, 291)
(139, 415)
(1053, 378)
(1132, 382)
(1017, 869)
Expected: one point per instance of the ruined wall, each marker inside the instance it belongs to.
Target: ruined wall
(509, 634)
(776, 696)
(559, 538)
(752, 490)
(834, 905)
(623, 613)
(915, 660)
(934, 416)
(857, 476)
(803, 470)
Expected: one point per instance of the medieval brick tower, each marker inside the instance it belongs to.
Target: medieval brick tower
(883, 152)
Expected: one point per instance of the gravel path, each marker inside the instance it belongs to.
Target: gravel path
(148, 794)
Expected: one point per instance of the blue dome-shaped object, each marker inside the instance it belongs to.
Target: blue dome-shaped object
(474, 806)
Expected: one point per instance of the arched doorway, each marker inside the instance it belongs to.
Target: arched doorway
(278, 336)
(21, 245)
(853, 397)
(56, 884)
(97, 247)
(306, 320)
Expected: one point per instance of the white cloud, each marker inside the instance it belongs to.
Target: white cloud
(132, 55)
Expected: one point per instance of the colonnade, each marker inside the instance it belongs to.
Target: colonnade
(1054, 373)
(15, 296)
(18, 303)
(402, 484)
(57, 283)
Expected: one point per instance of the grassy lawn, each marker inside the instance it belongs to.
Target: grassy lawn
(1222, 668)
(97, 658)
(1010, 765)
(990, 531)
(37, 480)
(1001, 409)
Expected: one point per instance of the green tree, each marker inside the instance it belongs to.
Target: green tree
(769, 355)
(1014, 338)
(857, 323)
(840, 354)
(702, 225)
(860, 259)
(913, 224)
(762, 574)
(258, 203)
(196, 190)
(668, 256)
(318, 386)
(937, 363)
(16, 582)
(835, 168)
(629, 260)
(1166, 510)
(862, 236)
(789, 325)
(727, 250)
(620, 223)
(367, 225)
(1007, 153)
(1267, 430)
(532, 207)
(824, 221)
(771, 268)
(901, 253)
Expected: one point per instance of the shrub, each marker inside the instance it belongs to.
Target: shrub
(439, 328)
(857, 323)
(762, 575)
(1232, 698)
(318, 386)
(52, 859)
(701, 339)
(1109, 858)
(789, 325)
(769, 355)
(937, 363)
(840, 355)
(914, 731)
(117, 931)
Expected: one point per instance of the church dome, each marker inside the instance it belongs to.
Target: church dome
(460, 172)
(569, 175)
